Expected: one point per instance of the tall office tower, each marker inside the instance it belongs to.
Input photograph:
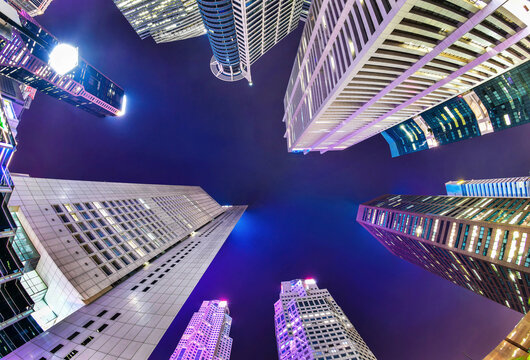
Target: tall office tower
(115, 261)
(16, 306)
(479, 243)
(365, 66)
(516, 345)
(25, 49)
(497, 104)
(241, 32)
(163, 20)
(507, 187)
(310, 325)
(207, 336)
(32, 7)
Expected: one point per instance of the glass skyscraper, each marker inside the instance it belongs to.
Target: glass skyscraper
(479, 243)
(32, 7)
(24, 55)
(207, 336)
(311, 325)
(112, 259)
(218, 17)
(500, 103)
(241, 32)
(16, 98)
(16, 305)
(163, 20)
(516, 346)
(506, 187)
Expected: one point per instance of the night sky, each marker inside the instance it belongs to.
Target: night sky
(186, 127)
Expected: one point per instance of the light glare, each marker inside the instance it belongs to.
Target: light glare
(64, 58)
(123, 106)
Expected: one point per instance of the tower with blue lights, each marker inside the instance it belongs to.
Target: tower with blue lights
(500, 103)
(219, 21)
(163, 20)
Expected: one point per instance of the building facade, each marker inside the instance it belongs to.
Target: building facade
(207, 336)
(479, 243)
(507, 187)
(32, 7)
(16, 305)
(495, 105)
(24, 53)
(163, 20)
(365, 66)
(16, 98)
(516, 346)
(241, 32)
(310, 325)
(113, 258)
(218, 18)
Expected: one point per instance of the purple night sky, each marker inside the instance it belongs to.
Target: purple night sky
(186, 127)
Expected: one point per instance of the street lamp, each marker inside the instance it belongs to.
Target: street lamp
(63, 58)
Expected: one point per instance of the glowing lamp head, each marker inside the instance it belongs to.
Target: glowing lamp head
(123, 106)
(310, 281)
(64, 58)
(223, 303)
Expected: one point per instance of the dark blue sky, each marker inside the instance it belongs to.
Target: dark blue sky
(186, 127)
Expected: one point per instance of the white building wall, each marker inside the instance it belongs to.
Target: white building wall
(147, 302)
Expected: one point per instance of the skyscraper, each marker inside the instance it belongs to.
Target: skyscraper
(507, 187)
(479, 243)
(32, 7)
(16, 306)
(207, 336)
(115, 261)
(365, 66)
(24, 54)
(516, 345)
(310, 325)
(163, 20)
(497, 104)
(241, 32)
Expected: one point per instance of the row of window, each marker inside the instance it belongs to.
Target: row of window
(86, 341)
(153, 282)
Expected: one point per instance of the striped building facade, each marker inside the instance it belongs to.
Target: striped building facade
(479, 243)
(365, 66)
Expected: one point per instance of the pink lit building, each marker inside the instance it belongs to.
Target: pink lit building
(310, 325)
(207, 334)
